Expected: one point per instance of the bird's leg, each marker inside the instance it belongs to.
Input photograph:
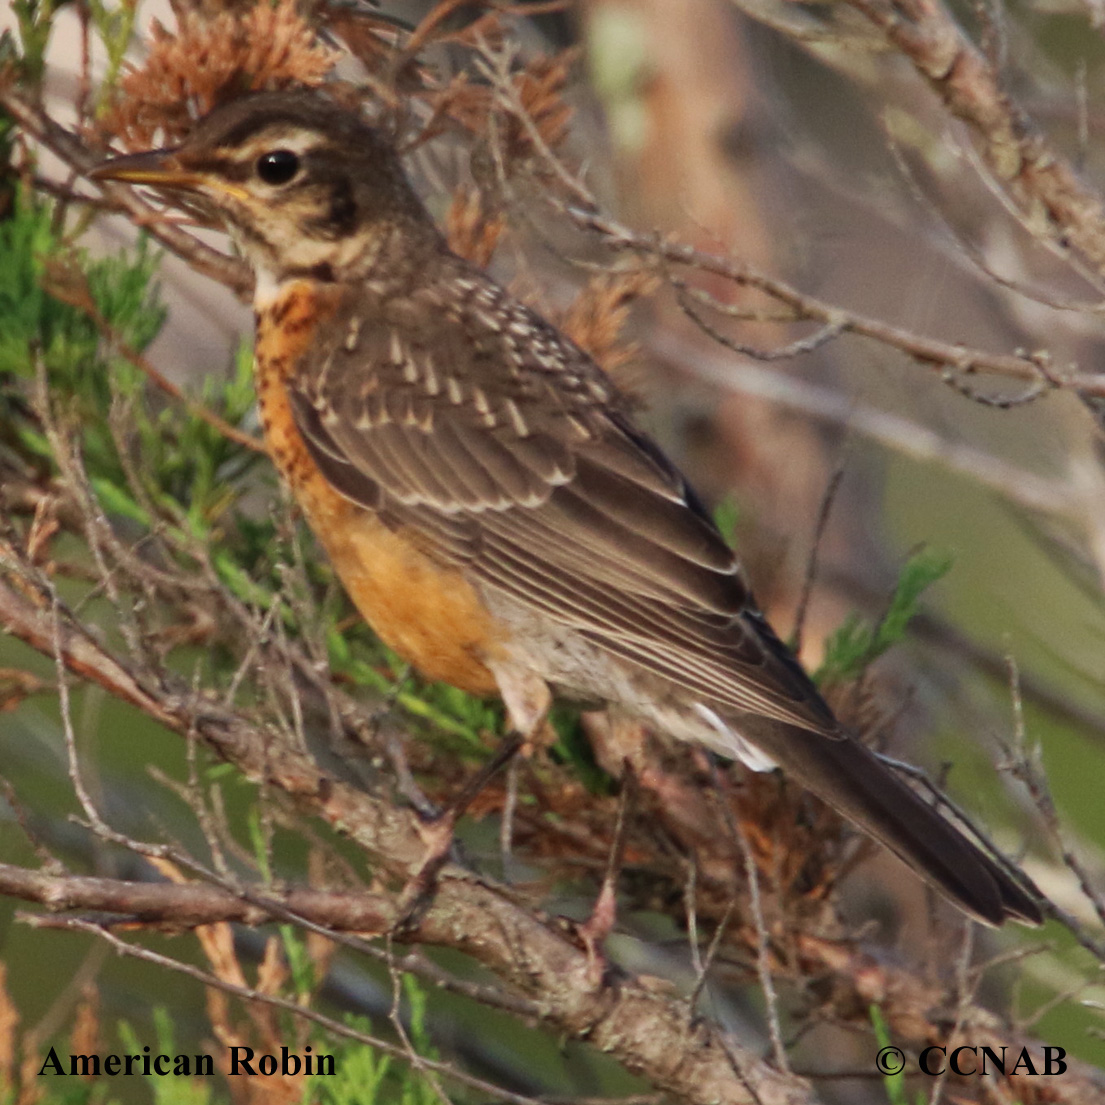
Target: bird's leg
(598, 926)
(438, 830)
(405, 782)
(527, 700)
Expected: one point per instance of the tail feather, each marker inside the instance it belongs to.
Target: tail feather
(850, 778)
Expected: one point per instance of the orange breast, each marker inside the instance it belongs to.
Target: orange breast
(428, 613)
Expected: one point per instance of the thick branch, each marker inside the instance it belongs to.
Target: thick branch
(185, 905)
(908, 1002)
(650, 1033)
(1043, 184)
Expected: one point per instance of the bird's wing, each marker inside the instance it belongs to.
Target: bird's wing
(470, 421)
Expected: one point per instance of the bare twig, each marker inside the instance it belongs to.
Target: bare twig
(763, 937)
(926, 351)
(1025, 765)
(37, 123)
(964, 996)
(808, 581)
(68, 285)
(1017, 484)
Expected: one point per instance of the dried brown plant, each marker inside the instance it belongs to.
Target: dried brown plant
(86, 1036)
(206, 60)
(596, 319)
(473, 227)
(9, 1024)
(534, 118)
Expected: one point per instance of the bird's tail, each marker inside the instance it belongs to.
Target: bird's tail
(857, 784)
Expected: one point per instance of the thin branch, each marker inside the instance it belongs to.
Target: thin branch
(964, 995)
(1020, 486)
(960, 249)
(821, 336)
(34, 120)
(755, 901)
(810, 577)
(68, 285)
(1025, 765)
(496, 66)
(927, 351)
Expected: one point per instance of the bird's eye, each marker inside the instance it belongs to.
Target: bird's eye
(277, 166)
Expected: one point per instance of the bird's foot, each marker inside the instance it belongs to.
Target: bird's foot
(593, 932)
(437, 830)
(437, 833)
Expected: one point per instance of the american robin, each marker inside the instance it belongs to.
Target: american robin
(482, 489)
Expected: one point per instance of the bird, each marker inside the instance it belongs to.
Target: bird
(484, 492)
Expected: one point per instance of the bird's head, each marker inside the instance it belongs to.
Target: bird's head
(304, 185)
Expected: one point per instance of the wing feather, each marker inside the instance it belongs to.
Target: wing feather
(526, 471)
